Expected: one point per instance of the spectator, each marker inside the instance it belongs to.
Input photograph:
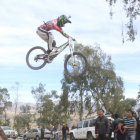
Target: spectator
(138, 127)
(55, 133)
(110, 128)
(115, 124)
(134, 114)
(74, 126)
(42, 133)
(120, 131)
(130, 124)
(101, 126)
(65, 131)
(54, 128)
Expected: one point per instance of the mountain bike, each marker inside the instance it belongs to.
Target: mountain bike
(75, 63)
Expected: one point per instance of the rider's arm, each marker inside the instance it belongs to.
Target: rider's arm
(64, 34)
(61, 31)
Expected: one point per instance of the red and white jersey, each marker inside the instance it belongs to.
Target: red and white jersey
(50, 25)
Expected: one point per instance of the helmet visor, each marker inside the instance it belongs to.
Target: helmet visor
(68, 21)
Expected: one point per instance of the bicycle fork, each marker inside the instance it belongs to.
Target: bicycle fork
(71, 52)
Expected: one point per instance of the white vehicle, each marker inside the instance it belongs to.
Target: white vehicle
(9, 132)
(36, 134)
(85, 130)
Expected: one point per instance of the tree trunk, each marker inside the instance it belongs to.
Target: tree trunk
(81, 105)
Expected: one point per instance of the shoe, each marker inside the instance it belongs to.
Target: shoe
(54, 47)
(49, 51)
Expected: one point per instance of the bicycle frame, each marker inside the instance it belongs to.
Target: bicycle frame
(75, 63)
(58, 50)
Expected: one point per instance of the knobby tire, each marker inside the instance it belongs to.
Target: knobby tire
(28, 54)
(84, 68)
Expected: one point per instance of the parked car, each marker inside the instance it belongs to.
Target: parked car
(36, 134)
(9, 132)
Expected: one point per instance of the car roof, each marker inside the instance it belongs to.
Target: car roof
(46, 129)
(5, 127)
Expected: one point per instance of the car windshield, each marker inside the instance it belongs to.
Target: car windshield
(7, 128)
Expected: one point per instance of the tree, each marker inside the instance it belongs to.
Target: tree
(25, 109)
(99, 87)
(73, 91)
(138, 97)
(23, 119)
(7, 104)
(64, 105)
(46, 108)
(4, 104)
(130, 103)
(132, 11)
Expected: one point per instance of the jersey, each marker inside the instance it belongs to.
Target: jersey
(51, 25)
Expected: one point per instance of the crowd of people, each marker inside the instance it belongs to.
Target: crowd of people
(127, 128)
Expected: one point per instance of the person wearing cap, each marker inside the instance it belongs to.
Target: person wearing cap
(56, 24)
(65, 131)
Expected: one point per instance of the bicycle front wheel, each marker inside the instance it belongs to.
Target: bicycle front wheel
(35, 58)
(75, 65)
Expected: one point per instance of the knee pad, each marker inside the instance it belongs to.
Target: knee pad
(54, 43)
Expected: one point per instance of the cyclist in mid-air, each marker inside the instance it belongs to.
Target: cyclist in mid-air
(55, 24)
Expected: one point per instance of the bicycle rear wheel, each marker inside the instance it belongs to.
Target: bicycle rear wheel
(75, 65)
(35, 58)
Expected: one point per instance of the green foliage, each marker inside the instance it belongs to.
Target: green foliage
(49, 113)
(138, 97)
(22, 120)
(25, 109)
(132, 11)
(130, 103)
(64, 105)
(4, 104)
(99, 87)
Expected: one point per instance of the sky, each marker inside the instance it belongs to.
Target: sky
(91, 25)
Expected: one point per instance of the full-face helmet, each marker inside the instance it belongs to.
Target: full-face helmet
(62, 20)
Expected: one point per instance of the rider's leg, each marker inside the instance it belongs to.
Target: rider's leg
(45, 37)
(49, 38)
(50, 43)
